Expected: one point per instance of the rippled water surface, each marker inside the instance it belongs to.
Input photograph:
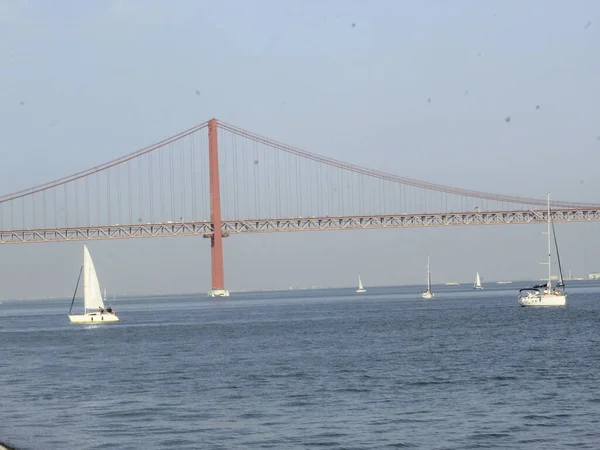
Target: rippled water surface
(306, 369)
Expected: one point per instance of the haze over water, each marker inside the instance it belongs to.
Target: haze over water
(306, 369)
(418, 89)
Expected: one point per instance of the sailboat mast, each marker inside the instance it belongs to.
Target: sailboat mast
(428, 275)
(561, 278)
(76, 286)
(86, 276)
(549, 249)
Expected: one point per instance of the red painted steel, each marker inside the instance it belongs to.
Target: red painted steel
(216, 240)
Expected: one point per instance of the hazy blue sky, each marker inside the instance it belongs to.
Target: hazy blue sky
(99, 79)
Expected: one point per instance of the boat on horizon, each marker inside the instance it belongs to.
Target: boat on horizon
(361, 288)
(477, 284)
(428, 293)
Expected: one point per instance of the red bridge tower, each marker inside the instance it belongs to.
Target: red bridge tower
(216, 240)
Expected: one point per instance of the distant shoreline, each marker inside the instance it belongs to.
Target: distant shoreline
(294, 289)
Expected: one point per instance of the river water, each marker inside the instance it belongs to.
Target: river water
(305, 369)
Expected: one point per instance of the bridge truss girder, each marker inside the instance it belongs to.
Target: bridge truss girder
(229, 227)
(408, 220)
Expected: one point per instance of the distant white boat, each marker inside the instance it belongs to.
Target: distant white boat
(477, 284)
(93, 305)
(545, 294)
(361, 288)
(428, 293)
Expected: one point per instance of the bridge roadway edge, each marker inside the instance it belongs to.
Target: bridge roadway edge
(244, 226)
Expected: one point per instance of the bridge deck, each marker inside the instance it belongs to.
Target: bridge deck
(230, 227)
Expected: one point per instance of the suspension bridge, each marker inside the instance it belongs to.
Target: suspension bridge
(217, 180)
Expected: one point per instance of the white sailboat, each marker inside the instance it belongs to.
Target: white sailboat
(546, 294)
(361, 288)
(477, 284)
(93, 305)
(428, 293)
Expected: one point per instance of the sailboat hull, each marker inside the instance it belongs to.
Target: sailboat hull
(543, 300)
(93, 318)
(427, 295)
(360, 291)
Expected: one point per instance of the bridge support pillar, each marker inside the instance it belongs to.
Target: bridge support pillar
(216, 240)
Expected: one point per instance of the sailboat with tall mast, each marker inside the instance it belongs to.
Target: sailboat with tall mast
(477, 284)
(361, 288)
(93, 305)
(546, 294)
(428, 293)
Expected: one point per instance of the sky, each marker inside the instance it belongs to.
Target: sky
(82, 83)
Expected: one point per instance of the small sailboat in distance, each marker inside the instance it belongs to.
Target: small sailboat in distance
(477, 284)
(93, 305)
(361, 288)
(428, 293)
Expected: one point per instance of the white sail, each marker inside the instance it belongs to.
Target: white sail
(360, 286)
(477, 284)
(92, 296)
(428, 275)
